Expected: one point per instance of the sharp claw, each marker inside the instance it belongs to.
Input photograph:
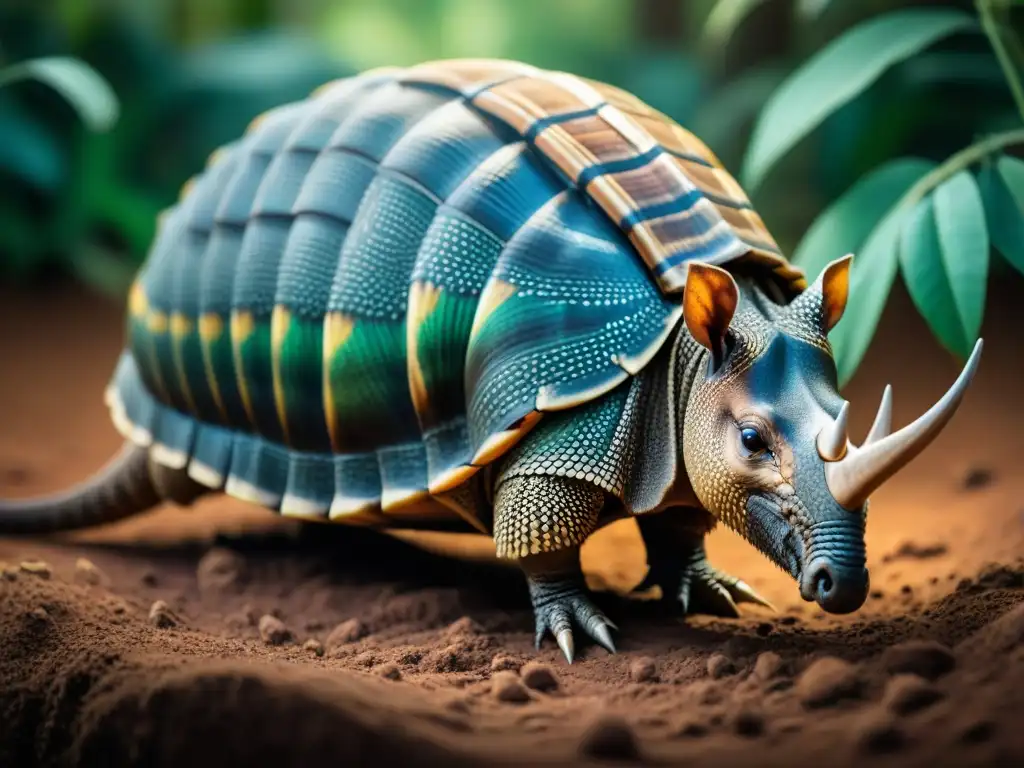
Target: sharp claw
(747, 594)
(565, 642)
(601, 634)
(723, 593)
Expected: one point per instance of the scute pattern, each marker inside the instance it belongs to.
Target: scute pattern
(380, 289)
(550, 514)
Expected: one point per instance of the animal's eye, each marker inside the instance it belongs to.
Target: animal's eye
(752, 440)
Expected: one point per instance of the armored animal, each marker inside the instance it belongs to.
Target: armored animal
(477, 295)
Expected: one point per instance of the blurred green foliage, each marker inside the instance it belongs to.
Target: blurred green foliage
(887, 128)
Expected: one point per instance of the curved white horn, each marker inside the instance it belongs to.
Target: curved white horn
(834, 438)
(883, 419)
(864, 469)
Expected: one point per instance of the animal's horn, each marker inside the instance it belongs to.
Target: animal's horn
(834, 439)
(864, 469)
(883, 419)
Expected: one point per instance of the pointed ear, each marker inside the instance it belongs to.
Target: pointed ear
(835, 287)
(709, 303)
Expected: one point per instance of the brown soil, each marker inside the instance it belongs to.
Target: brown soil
(222, 635)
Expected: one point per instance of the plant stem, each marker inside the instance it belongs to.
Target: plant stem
(991, 26)
(958, 162)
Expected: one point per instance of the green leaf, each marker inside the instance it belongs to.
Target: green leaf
(837, 74)
(924, 274)
(724, 19)
(83, 87)
(1012, 171)
(871, 277)
(844, 226)
(963, 237)
(1004, 215)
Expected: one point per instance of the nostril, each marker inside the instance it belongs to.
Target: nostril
(823, 581)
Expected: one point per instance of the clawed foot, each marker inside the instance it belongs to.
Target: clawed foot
(697, 584)
(558, 605)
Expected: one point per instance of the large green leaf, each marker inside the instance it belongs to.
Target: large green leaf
(871, 277)
(1004, 214)
(844, 226)
(82, 86)
(926, 279)
(963, 237)
(836, 74)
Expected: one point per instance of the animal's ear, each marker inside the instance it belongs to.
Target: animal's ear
(709, 303)
(835, 288)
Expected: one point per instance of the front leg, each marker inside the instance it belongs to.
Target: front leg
(678, 564)
(541, 521)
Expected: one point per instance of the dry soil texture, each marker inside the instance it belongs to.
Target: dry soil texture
(221, 635)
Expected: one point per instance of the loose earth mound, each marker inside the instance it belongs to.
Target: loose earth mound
(221, 635)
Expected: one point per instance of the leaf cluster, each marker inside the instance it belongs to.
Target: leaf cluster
(943, 217)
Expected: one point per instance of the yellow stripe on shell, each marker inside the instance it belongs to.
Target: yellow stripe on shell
(211, 328)
(280, 320)
(337, 330)
(423, 298)
(243, 325)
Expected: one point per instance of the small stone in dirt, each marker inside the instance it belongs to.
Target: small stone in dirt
(149, 579)
(273, 631)
(878, 733)
(720, 666)
(389, 671)
(827, 681)
(86, 572)
(161, 616)
(506, 686)
(747, 721)
(610, 738)
(347, 632)
(767, 666)
(502, 661)
(907, 693)
(220, 570)
(314, 646)
(39, 615)
(463, 626)
(538, 676)
(978, 477)
(643, 670)
(36, 568)
(926, 658)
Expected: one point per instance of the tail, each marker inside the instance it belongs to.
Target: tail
(124, 487)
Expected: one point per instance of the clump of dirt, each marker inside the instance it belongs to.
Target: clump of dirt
(221, 635)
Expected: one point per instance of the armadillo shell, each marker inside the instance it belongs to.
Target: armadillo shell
(380, 289)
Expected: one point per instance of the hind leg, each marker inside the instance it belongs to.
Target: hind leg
(540, 522)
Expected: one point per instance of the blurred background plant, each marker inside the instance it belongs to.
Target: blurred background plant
(889, 128)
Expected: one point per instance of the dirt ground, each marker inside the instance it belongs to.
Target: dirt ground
(222, 635)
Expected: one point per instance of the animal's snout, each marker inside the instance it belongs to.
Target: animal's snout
(834, 573)
(837, 588)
